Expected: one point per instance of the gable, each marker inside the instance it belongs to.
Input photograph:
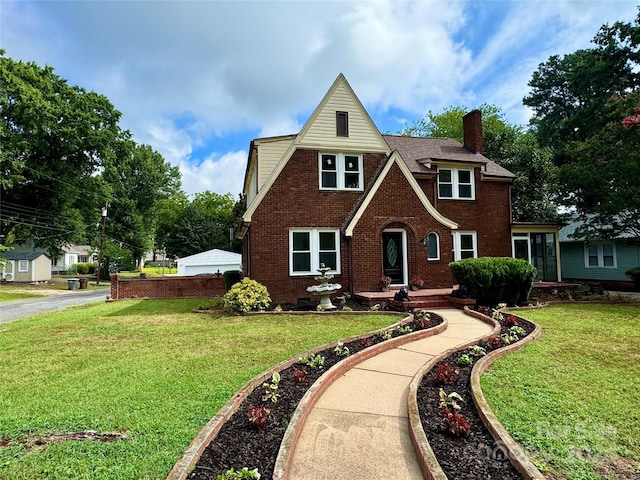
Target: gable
(395, 159)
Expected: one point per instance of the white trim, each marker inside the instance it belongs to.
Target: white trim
(522, 237)
(405, 263)
(437, 257)
(20, 269)
(457, 244)
(314, 250)
(455, 183)
(397, 159)
(600, 254)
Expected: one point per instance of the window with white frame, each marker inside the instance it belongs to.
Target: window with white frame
(600, 255)
(433, 246)
(464, 245)
(340, 171)
(23, 265)
(309, 248)
(456, 183)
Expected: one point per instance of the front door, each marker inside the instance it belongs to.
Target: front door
(544, 257)
(393, 256)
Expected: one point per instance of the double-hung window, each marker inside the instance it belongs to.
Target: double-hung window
(309, 248)
(23, 265)
(464, 245)
(340, 171)
(600, 255)
(456, 183)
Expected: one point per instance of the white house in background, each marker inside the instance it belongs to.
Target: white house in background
(212, 261)
(73, 254)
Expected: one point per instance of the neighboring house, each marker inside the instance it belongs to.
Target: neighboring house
(366, 204)
(212, 261)
(26, 267)
(72, 255)
(602, 261)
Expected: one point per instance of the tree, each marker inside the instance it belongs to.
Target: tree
(54, 138)
(512, 147)
(583, 107)
(139, 179)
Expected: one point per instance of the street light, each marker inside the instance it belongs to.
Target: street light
(104, 221)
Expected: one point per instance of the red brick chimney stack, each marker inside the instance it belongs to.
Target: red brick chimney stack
(472, 131)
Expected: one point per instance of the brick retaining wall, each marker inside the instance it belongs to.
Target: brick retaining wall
(200, 286)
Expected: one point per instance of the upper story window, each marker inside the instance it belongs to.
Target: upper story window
(456, 183)
(600, 255)
(340, 171)
(342, 124)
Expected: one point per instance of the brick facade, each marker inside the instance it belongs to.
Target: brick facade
(201, 286)
(295, 201)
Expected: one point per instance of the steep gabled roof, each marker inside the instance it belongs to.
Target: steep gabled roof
(366, 136)
(394, 158)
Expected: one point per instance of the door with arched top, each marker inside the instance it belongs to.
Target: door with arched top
(394, 256)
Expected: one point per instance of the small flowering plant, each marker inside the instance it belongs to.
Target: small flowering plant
(416, 281)
(385, 281)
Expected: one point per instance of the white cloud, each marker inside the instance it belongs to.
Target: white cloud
(217, 174)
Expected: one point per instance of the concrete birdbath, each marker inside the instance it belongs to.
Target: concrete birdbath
(325, 289)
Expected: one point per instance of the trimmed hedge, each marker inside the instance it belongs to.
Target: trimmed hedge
(634, 274)
(493, 280)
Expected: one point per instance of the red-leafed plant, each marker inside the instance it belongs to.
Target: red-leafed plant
(454, 422)
(509, 320)
(300, 375)
(367, 342)
(446, 373)
(494, 342)
(258, 416)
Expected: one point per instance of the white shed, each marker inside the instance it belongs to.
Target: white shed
(212, 261)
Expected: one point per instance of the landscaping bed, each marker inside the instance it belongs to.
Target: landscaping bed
(240, 444)
(474, 455)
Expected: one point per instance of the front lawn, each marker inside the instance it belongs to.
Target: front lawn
(571, 398)
(151, 370)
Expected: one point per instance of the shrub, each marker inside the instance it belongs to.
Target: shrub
(231, 277)
(446, 373)
(492, 280)
(634, 274)
(454, 422)
(246, 296)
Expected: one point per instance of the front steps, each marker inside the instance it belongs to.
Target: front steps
(423, 299)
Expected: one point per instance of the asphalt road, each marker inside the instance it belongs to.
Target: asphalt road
(25, 308)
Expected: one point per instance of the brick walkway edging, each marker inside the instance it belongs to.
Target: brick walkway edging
(429, 465)
(191, 455)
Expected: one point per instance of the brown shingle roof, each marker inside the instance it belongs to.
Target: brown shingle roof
(417, 150)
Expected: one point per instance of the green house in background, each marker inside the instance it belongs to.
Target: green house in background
(602, 261)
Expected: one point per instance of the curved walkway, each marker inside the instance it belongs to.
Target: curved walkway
(359, 428)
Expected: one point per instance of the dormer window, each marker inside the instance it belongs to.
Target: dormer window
(340, 171)
(342, 124)
(455, 183)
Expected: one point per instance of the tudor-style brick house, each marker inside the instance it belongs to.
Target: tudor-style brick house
(366, 204)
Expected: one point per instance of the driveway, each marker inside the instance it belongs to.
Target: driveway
(33, 306)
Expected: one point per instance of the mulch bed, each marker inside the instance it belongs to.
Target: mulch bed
(475, 456)
(239, 444)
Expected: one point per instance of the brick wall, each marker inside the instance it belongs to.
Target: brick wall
(200, 286)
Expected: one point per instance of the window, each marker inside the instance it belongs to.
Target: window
(340, 171)
(433, 246)
(23, 265)
(464, 245)
(455, 184)
(310, 248)
(342, 124)
(600, 255)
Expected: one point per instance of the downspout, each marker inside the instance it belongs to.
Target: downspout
(349, 245)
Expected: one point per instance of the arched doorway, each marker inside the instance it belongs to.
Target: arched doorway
(394, 255)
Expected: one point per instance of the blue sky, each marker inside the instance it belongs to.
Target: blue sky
(198, 80)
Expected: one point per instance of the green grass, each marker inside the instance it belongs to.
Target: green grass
(149, 369)
(571, 398)
(7, 295)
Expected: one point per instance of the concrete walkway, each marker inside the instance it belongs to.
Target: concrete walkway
(360, 427)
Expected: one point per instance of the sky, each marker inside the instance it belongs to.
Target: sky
(198, 80)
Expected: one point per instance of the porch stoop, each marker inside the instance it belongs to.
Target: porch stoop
(427, 299)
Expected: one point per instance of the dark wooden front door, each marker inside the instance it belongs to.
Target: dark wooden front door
(393, 255)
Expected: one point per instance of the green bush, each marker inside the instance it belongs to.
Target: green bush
(634, 274)
(246, 296)
(493, 280)
(231, 277)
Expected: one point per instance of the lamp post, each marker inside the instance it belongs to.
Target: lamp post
(104, 221)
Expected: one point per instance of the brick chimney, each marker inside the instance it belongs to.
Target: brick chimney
(472, 131)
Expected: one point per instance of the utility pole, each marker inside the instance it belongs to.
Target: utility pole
(104, 222)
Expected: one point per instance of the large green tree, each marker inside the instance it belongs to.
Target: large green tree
(53, 138)
(509, 145)
(580, 102)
